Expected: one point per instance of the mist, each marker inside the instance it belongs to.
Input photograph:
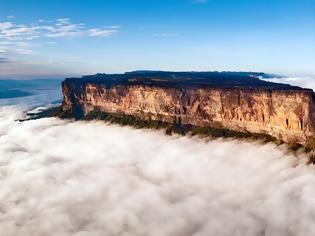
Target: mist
(303, 82)
(75, 178)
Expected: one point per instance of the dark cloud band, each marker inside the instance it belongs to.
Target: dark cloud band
(4, 60)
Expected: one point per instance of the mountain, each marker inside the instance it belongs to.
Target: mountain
(232, 101)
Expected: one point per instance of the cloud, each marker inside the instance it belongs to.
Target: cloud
(63, 20)
(77, 178)
(59, 29)
(64, 28)
(114, 27)
(9, 31)
(104, 33)
(3, 59)
(18, 47)
(304, 82)
(108, 31)
(23, 51)
(3, 49)
(12, 35)
(63, 31)
(5, 25)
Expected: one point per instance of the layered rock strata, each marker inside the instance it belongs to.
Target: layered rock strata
(284, 112)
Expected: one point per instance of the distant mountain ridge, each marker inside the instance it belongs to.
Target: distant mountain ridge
(10, 88)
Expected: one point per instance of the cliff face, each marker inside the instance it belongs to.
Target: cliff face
(287, 114)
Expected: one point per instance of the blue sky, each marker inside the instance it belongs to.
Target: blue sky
(74, 37)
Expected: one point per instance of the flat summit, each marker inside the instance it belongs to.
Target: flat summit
(185, 79)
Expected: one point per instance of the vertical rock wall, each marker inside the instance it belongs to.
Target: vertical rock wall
(285, 114)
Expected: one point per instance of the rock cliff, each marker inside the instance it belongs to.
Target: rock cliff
(234, 101)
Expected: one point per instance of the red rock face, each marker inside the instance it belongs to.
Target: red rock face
(285, 114)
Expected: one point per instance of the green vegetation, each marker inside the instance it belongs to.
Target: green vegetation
(312, 159)
(59, 112)
(215, 132)
(126, 120)
(227, 133)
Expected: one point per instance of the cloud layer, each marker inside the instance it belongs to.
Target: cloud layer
(304, 82)
(76, 178)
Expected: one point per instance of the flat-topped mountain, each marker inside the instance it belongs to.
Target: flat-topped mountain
(237, 101)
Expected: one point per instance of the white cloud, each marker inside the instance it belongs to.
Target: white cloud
(9, 31)
(62, 31)
(76, 178)
(114, 27)
(304, 82)
(23, 51)
(100, 32)
(18, 47)
(5, 25)
(64, 28)
(60, 28)
(4, 49)
(63, 20)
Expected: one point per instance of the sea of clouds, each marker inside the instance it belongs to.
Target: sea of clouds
(304, 82)
(84, 179)
(67, 178)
